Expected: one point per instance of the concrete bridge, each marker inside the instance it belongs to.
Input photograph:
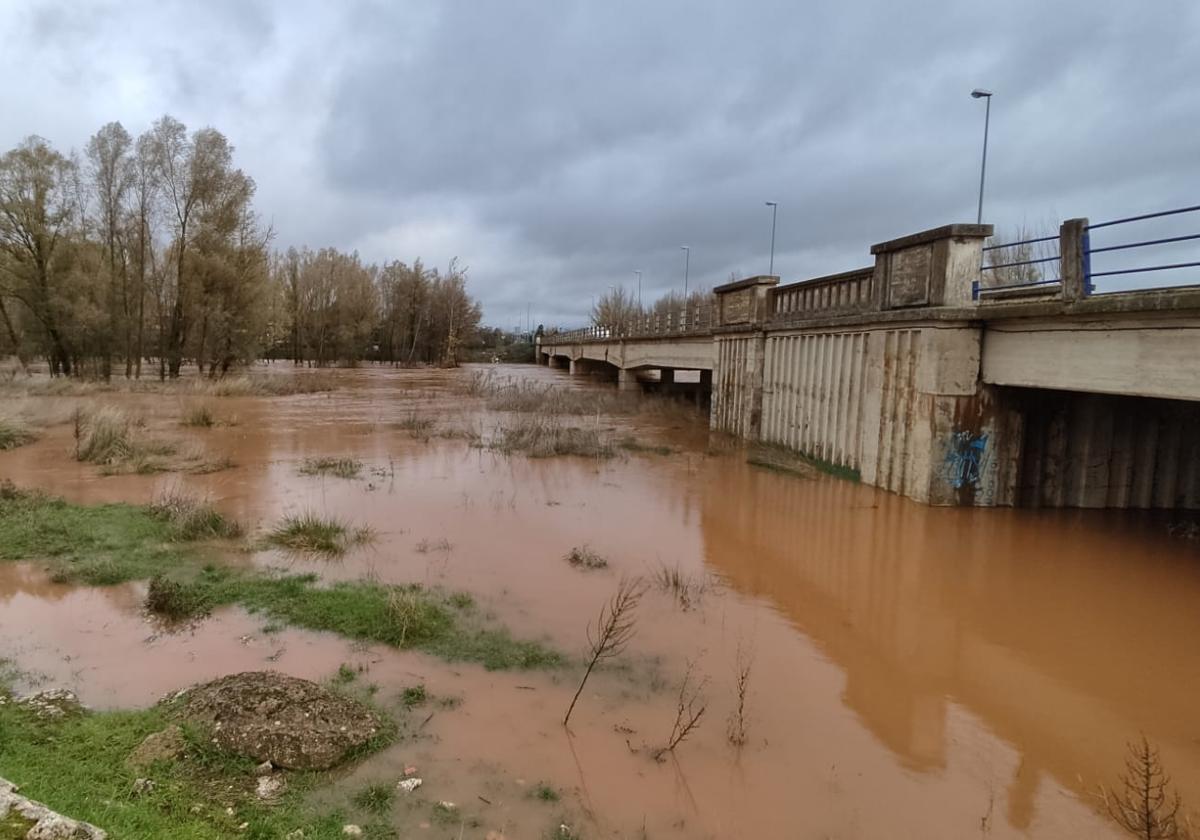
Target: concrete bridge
(926, 375)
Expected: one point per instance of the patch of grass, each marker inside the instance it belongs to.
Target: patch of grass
(545, 793)
(176, 600)
(345, 675)
(787, 461)
(414, 695)
(117, 442)
(96, 545)
(686, 590)
(340, 467)
(76, 766)
(14, 433)
(543, 437)
(192, 518)
(199, 416)
(312, 533)
(416, 425)
(108, 544)
(375, 798)
(632, 444)
(584, 557)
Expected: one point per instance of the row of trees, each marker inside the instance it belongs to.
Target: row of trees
(150, 248)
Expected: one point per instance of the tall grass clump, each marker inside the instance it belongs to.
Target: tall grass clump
(14, 433)
(525, 395)
(192, 518)
(199, 416)
(340, 467)
(112, 439)
(544, 437)
(312, 533)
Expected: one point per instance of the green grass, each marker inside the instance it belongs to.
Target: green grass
(545, 792)
(414, 695)
(340, 467)
(192, 518)
(76, 766)
(108, 544)
(376, 798)
(790, 462)
(315, 534)
(96, 545)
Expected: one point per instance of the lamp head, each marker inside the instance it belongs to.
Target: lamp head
(980, 93)
(772, 203)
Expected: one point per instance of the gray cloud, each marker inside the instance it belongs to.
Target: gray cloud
(557, 147)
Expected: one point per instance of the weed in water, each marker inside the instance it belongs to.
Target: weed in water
(689, 709)
(174, 599)
(414, 695)
(14, 433)
(339, 467)
(632, 444)
(584, 557)
(199, 416)
(416, 425)
(192, 518)
(545, 793)
(376, 798)
(443, 546)
(686, 590)
(614, 628)
(116, 442)
(736, 729)
(345, 674)
(312, 533)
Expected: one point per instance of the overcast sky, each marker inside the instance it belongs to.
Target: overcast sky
(556, 146)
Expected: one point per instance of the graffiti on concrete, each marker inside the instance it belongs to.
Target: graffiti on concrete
(966, 459)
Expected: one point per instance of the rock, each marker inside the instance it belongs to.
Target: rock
(166, 745)
(294, 724)
(269, 787)
(352, 830)
(409, 785)
(142, 786)
(54, 703)
(264, 769)
(296, 834)
(43, 823)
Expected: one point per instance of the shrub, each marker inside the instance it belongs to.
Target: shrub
(584, 557)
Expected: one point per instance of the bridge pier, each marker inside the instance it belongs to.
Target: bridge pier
(627, 380)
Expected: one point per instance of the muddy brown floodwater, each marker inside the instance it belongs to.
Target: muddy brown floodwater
(917, 672)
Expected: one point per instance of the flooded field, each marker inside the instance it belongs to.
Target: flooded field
(909, 672)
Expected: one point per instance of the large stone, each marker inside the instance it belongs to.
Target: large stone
(43, 823)
(167, 745)
(292, 723)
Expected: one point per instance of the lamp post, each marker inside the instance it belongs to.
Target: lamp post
(687, 259)
(774, 205)
(980, 93)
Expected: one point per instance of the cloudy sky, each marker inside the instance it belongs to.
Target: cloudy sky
(557, 146)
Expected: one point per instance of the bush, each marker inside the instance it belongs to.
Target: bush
(174, 600)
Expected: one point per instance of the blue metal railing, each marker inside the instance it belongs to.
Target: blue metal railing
(1088, 250)
(977, 287)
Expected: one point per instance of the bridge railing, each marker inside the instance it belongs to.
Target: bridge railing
(696, 319)
(1171, 249)
(1027, 266)
(850, 291)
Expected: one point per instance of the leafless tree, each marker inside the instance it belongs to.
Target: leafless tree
(689, 709)
(737, 719)
(614, 628)
(1145, 805)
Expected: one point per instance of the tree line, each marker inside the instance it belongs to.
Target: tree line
(148, 251)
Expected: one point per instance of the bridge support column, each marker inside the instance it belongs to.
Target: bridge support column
(576, 367)
(666, 376)
(627, 380)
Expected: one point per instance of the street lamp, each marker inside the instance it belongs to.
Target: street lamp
(980, 93)
(639, 277)
(774, 205)
(687, 259)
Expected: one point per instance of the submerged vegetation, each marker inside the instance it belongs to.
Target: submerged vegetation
(313, 533)
(14, 433)
(192, 518)
(585, 557)
(109, 544)
(339, 467)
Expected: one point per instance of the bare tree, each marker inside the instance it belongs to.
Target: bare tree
(689, 709)
(614, 628)
(1145, 806)
(737, 719)
(108, 158)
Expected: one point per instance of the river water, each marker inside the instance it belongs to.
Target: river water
(915, 672)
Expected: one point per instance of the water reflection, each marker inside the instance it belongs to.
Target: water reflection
(1066, 633)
